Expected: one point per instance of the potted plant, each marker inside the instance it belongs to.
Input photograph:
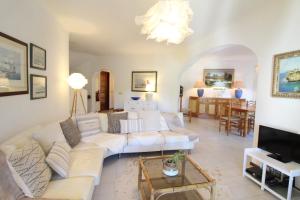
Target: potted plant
(170, 165)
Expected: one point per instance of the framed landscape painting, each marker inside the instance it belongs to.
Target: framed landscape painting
(222, 78)
(37, 57)
(286, 75)
(38, 86)
(144, 81)
(13, 66)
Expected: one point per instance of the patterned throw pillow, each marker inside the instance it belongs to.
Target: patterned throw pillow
(131, 125)
(88, 124)
(114, 125)
(71, 132)
(29, 169)
(59, 159)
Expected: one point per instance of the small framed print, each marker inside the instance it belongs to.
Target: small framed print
(38, 86)
(37, 57)
(144, 81)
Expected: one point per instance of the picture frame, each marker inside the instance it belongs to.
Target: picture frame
(286, 75)
(13, 66)
(38, 86)
(37, 57)
(144, 81)
(218, 78)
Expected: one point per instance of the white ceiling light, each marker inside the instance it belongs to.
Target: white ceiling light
(167, 20)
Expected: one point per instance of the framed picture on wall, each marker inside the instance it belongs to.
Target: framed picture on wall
(37, 57)
(223, 78)
(38, 86)
(13, 66)
(286, 75)
(144, 81)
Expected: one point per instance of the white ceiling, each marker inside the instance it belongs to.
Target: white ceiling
(107, 27)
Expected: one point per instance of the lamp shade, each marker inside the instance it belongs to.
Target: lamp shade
(238, 84)
(77, 81)
(199, 84)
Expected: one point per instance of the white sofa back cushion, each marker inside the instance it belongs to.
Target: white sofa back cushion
(163, 124)
(47, 135)
(151, 120)
(131, 125)
(103, 122)
(88, 124)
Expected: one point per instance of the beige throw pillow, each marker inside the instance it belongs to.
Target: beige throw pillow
(71, 132)
(88, 124)
(59, 159)
(114, 125)
(29, 169)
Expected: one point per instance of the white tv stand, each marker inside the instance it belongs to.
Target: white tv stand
(290, 169)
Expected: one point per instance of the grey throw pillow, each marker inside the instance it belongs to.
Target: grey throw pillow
(114, 125)
(71, 132)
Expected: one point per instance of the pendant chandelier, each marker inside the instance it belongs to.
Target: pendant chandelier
(167, 20)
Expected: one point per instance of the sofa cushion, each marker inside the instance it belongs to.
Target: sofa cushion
(163, 124)
(47, 135)
(193, 137)
(112, 142)
(173, 137)
(70, 188)
(145, 139)
(9, 190)
(71, 132)
(103, 122)
(88, 124)
(173, 120)
(114, 121)
(85, 145)
(87, 163)
(131, 125)
(59, 159)
(29, 169)
(151, 120)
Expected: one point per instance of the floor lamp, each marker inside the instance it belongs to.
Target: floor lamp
(77, 81)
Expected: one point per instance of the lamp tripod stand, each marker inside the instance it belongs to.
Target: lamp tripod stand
(74, 104)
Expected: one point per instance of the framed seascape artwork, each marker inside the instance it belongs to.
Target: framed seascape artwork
(286, 75)
(144, 81)
(38, 86)
(13, 66)
(37, 57)
(222, 78)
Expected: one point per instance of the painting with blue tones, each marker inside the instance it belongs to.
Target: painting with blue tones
(286, 80)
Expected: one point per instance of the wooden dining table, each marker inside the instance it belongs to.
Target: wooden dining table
(245, 110)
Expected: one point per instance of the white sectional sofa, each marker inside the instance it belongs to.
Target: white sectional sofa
(87, 157)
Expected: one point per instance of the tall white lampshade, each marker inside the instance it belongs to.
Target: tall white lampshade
(77, 81)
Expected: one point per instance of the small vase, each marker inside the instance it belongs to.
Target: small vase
(169, 168)
(238, 93)
(200, 92)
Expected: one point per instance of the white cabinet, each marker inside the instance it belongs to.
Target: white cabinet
(139, 105)
(290, 169)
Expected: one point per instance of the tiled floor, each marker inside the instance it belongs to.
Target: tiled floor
(221, 155)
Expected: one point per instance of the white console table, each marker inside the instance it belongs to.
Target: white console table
(290, 169)
(139, 105)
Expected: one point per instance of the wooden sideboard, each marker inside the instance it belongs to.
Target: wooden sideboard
(208, 106)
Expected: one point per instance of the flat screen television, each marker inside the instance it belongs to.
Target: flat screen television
(283, 145)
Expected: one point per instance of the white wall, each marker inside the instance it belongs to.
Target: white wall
(30, 22)
(121, 67)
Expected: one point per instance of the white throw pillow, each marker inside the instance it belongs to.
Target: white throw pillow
(103, 122)
(131, 125)
(163, 124)
(29, 169)
(47, 135)
(151, 120)
(59, 159)
(88, 124)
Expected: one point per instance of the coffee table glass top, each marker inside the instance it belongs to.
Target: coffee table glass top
(187, 175)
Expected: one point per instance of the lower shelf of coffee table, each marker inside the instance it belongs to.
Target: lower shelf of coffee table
(186, 195)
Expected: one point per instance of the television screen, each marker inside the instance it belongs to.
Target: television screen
(282, 144)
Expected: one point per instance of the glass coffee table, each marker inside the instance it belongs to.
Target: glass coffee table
(153, 184)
